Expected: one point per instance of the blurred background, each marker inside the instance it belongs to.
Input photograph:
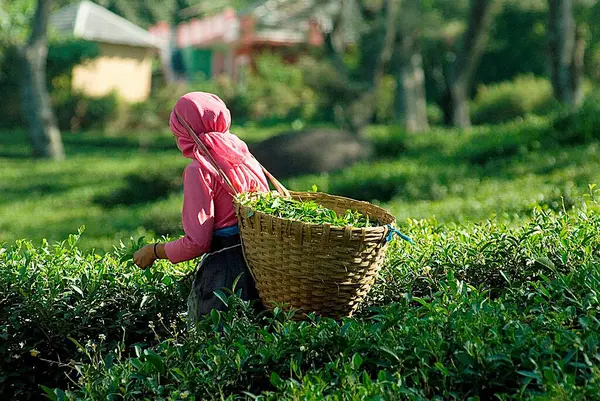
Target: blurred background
(450, 110)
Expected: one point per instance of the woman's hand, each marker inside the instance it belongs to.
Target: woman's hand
(145, 257)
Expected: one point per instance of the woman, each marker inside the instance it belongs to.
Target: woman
(209, 220)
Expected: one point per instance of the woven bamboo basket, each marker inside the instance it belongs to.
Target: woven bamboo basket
(314, 267)
(309, 267)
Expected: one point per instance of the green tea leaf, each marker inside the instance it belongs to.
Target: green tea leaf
(155, 360)
(275, 380)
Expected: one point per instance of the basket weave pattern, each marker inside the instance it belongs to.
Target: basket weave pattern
(314, 267)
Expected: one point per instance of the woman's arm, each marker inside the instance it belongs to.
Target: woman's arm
(198, 219)
(147, 255)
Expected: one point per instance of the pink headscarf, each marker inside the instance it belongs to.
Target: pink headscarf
(210, 119)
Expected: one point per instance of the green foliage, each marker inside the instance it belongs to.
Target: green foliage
(10, 107)
(63, 55)
(493, 142)
(277, 92)
(435, 115)
(388, 180)
(73, 111)
(452, 175)
(331, 86)
(305, 211)
(150, 185)
(152, 114)
(506, 101)
(491, 255)
(15, 17)
(54, 293)
(504, 307)
(388, 141)
(517, 43)
(473, 311)
(386, 100)
(79, 112)
(581, 126)
(498, 171)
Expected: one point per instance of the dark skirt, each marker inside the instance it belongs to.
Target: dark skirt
(217, 270)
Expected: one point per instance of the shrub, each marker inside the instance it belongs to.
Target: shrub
(384, 181)
(505, 101)
(435, 115)
(278, 92)
(538, 337)
(54, 293)
(386, 99)
(164, 217)
(456, 345)
(488, 143)
(10, 84)
(63, 55)
(80, 112)
(388, 141)
(76, 111)
(150, 185)
(471, 311)
(154, 113)
(490, 255)
(580, 126)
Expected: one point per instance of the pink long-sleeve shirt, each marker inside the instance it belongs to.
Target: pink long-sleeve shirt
(208, 207)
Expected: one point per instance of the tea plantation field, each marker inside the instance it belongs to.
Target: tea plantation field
(499, 297)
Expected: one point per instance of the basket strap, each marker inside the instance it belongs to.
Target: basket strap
(282, 190)
(392, 230)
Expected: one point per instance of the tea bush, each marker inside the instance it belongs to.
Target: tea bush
(383, 181)
(505, 101)
(490, 255)
(493, 142)
(581, 126)
(53, 293)
(538, 338)
(152, 184)
(474, 310)
(388, 141)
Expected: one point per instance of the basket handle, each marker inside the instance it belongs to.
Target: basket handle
(282, 190)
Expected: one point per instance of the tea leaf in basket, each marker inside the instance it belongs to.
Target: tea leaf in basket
(305, 211)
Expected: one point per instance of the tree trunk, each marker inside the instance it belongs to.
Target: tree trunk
(411, 102)
(356, 115)
(578, 69)
(361, 110)
(461, 111)
(467, 60)
(561, 27)
(37, 110)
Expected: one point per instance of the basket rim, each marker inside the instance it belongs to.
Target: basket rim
(316, 225)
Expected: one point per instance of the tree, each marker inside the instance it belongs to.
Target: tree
(44, 133)
(467, 60)
(374, 28)
(411, 102)
(567, 50)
